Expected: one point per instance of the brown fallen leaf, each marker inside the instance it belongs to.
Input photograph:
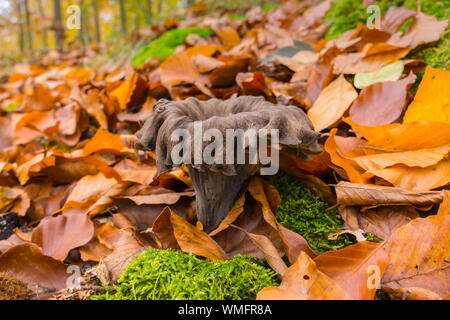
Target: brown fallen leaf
(426, 29)
(419, 261)
(58, 235)
(269, 251)
(381, 103)
(357, 269)
(304, 281)
(187, 237)
(380, 221)
(332, 103)
(357, 194)
(394, 18)
(26, 263)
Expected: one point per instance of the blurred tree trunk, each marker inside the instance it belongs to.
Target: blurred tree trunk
(57, 24)
(98, 33)
(149, 13)
(20, 23)
(44, 24)
(160, 6)
(28, 22)
(82, 30)
(123, 18)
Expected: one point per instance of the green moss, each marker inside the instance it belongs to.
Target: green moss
(269, 7)
(303, 212)
(175, 275)
(235, 16)
(165, 46)
(345, 15)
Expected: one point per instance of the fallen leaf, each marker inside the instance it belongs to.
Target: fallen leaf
(426, 29)
(391, 72)
(419, 261)
(357, 194)
(304, 281)
(58, 235)
(432, 100)
(332, 103)
(26, 263)
(381, 103)
(357, 269)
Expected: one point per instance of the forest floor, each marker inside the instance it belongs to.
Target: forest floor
(85, 215)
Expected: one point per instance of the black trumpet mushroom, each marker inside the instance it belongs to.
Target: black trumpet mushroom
(216, 140)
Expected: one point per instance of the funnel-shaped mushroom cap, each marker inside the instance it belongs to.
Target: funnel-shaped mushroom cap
(220, 182)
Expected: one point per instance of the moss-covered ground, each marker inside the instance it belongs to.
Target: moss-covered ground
(303, 212)
(175, 275)
(165, 45)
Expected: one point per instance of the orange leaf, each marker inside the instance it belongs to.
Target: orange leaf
(432, 100)
(357, 269)
(104, 141)
(418, 256)
(304, 281)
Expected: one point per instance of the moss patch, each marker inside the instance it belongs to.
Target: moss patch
(175, 275)
(165, 46)
(303, 212)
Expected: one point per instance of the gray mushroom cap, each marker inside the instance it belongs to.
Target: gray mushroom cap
(218, 185)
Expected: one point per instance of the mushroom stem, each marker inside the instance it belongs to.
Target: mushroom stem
(216, 193)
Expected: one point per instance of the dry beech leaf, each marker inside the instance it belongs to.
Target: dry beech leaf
(131, 92)
(332, 103)
(394, 18)
(356, 268)
(382, 102)
(421, 134)
(357, 194)
(304, 281)
(229, 36)
(380, 221)
(26, 263)
(160, 198)
(416, 158)
(432, 99)
(391, 72)
(426, 29)
(104, 141)
(188, 237)
(206, 64)
(444, 208)
(124, 249)
(418, 256)
(341, 150)
(416, 178)
(269, 251)
(58, 235)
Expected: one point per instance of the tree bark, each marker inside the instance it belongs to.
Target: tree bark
(123, 18)
(149, 13)
(98, 33)
(44, 28)
(28, 23)
(57, 25)
(20, 23)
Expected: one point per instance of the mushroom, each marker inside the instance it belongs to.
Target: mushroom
(222, 178)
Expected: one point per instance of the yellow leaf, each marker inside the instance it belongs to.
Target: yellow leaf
(391, 72)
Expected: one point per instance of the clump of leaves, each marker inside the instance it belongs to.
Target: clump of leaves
(165, 46)
(346, 14)
(175, 275)
(303, 212)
